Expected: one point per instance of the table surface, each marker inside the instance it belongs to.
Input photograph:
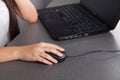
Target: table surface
(96, 66)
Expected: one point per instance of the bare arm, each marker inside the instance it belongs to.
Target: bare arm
(27, 10)
(34, 52)
(8, 54)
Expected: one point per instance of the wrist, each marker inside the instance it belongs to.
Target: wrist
(16, 53)
(9, 53)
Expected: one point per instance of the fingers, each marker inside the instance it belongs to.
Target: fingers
(43, 60)
(53, 46)
(47, 59)
(53, 51)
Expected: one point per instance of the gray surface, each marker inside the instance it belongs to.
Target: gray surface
(40, 3)
(97, 66)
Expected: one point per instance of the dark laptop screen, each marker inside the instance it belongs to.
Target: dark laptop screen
(107, 10)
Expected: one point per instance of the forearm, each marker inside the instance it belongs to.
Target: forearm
(27, 10)
(8, 54)
(34, 52)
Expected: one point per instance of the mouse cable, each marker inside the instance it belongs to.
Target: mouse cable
(95, 51)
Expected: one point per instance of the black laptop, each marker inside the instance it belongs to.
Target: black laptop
(82, 19)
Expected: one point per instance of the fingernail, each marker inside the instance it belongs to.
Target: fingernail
(63, 49)
(61, 54)
(56, 61)
(50, 63)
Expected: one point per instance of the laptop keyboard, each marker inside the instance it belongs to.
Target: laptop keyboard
(78, 22)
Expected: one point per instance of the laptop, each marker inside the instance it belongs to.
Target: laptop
(89, 17)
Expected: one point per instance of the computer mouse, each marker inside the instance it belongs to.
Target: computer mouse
(59, 59)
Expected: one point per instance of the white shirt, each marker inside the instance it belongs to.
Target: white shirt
(4, 24)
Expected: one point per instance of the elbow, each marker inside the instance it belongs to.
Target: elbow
(33, 19)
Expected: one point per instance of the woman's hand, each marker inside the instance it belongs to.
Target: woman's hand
(38, 52)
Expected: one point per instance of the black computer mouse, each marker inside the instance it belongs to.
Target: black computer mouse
(59, 59)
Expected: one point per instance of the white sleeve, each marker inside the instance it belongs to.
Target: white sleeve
(4, 23)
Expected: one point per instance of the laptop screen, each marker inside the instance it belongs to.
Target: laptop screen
(106, 10)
